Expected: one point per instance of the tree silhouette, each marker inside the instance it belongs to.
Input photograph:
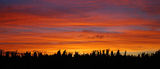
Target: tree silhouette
(112, 54)
(125, 53)
(1, 52)
(95, 60)
(59, 53)
(107, 52)
(118, 53)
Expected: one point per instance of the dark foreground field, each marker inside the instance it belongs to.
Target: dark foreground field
(95, 60)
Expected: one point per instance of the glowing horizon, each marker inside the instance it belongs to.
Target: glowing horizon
(80, 25)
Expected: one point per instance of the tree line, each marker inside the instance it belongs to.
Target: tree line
(63, 59)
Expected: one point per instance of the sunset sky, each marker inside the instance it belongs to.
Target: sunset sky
(80, 25)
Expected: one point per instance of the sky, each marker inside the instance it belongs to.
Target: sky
(80, 25)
